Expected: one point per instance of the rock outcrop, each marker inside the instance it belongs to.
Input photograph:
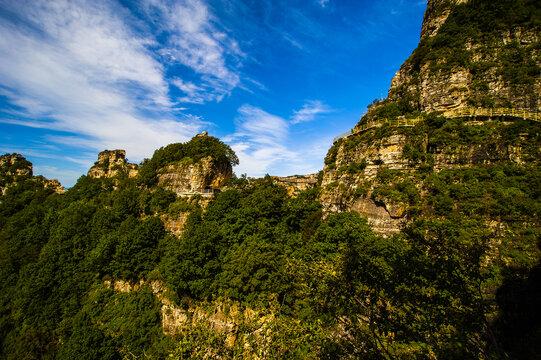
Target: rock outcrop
(473, 71)
(296, 183)
(189, 178)
(436, 14)
(15, 167)
(345, 190)
(224, 318)
(111, 163)
(359, 167)
(479, 67)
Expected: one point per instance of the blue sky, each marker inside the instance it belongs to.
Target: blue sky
(276, 80)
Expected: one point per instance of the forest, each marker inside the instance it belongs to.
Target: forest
(441, 288)
(261, 272)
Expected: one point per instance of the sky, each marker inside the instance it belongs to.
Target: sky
(276, 80)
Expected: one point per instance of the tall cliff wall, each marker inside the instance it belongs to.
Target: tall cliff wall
(471, 54)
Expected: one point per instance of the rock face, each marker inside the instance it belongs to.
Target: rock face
(15, 167)
(112, 163)
(296, 183)
(223, 318)
(474, 73)
(436, 13)
(345, 190)
(353, 178)
(189, 178)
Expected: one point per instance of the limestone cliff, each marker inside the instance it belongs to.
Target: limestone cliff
(472, 54)
(436, 14)
(112, 163)
(296, 183)
(380, 172)
(188, 178)
(15, 168)
(478, 54)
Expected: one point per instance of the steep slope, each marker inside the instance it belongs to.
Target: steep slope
(473, 54)
(473, 57)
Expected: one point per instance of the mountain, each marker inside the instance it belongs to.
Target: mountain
(477, 66)
(420, 238)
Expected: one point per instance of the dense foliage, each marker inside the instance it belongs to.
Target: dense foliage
(92, 273)
(331, 287)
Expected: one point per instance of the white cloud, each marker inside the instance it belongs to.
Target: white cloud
(264, 144)
(194, 40)
(309, 111)
(260, 141)
(81, 68)
(322, 3)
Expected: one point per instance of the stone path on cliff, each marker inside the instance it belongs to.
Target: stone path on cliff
(471, 113)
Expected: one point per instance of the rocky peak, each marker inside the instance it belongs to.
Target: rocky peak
(112, 156)
(478, 59)
(436, 13)
(15, 165)
(110, 163)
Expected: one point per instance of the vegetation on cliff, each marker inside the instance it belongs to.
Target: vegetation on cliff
(191, 152)
(459, 279)
(333, 286)
(485, 54)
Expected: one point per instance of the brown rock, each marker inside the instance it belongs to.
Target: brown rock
(112, 163)
(190, 178)
(296, 183)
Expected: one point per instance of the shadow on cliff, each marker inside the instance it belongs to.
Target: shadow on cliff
(518, 328)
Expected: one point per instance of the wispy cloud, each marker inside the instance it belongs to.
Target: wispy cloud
(194, 39)
(85, 68)
(265, 144)
(322, 3)
(309, 111)
(260, 141)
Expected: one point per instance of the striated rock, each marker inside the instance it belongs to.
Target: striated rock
(386, 218)
(437, 12)
(430, 84)
(344, 190)
(189, 178)
(112, 163)
(296, 183)
(14, 167)
(175, 225)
